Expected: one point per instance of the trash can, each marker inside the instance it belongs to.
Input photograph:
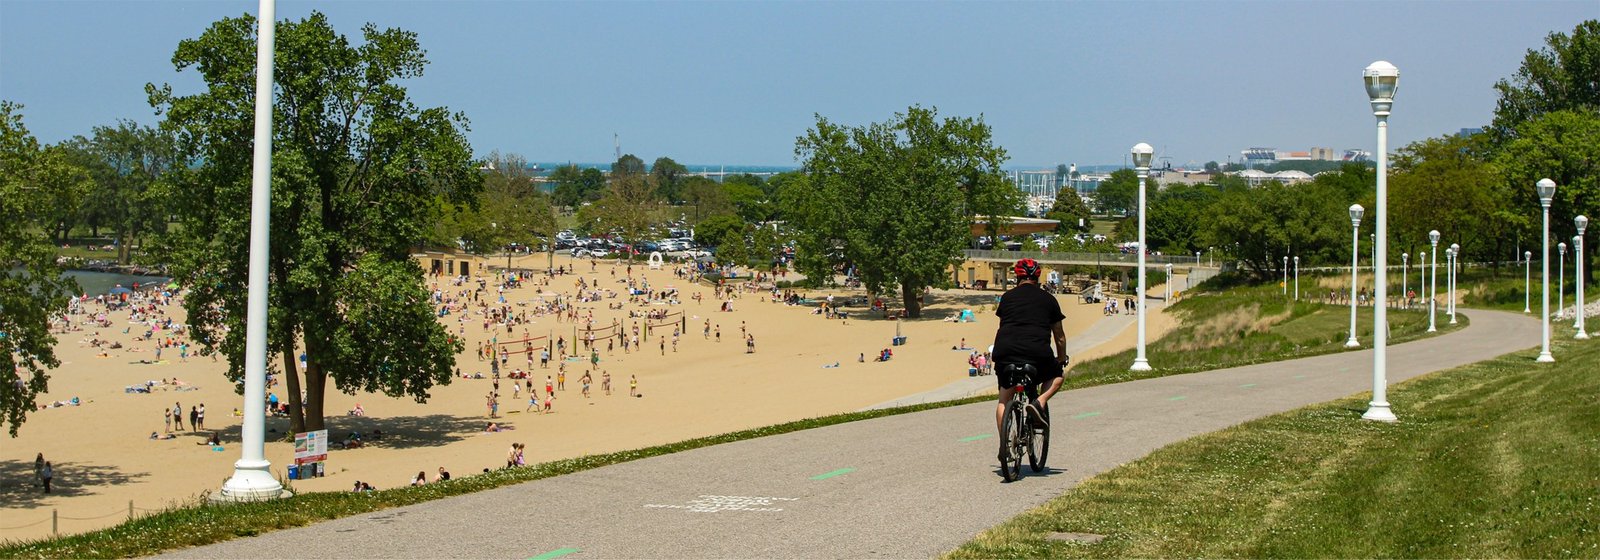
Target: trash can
(294, 472)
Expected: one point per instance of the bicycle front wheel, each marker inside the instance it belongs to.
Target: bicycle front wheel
(1039, 447)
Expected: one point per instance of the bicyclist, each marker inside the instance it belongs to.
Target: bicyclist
(1030, 319)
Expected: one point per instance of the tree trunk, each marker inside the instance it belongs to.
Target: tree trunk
(912, 297)
(316, 384)
(291, 376)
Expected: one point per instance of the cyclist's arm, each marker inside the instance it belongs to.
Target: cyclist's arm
(1060, 335)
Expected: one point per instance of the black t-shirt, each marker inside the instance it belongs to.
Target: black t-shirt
(1027, 314)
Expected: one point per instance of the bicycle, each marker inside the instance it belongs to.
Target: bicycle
(1018, 433)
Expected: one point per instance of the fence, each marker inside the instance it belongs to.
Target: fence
(55, 518)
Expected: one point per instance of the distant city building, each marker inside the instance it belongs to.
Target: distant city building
(1294, 156)
(1257, 177)
(1357, 155)
(1465, 132)
(1323, 154)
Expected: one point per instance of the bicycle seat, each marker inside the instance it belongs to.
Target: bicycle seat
(1013, 367)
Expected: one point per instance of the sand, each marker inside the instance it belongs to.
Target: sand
(103, 459)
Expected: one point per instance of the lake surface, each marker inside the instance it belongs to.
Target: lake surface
(96, 283)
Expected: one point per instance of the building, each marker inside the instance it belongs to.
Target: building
(1323, 154)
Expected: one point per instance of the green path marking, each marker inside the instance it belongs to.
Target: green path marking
(1299, 377)
(831, 474)
(557, 553)
(1247, 385)
(976, 438)
(1085, 415)
(1177, 398)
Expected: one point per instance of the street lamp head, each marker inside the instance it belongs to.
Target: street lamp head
(1142, 153)
(1297, 260)
(1433, 237)
(1382, 79)
(1455, 247)
(1355, 214)
(1405, 257)
(1561, 248)
(1547, 191)
(1582, 221)
(1527, 255)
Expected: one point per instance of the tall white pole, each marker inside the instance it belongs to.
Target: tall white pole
(1286, 276)
(1297, 278)
(1544, 281)
(1355, 256)
(251, 478)
(1561, 279)
(1577, 267)
(1140, 363)
(1405, 281)
(1527, 282)
(1378, 409)
(1455, 257)
(1433, 279)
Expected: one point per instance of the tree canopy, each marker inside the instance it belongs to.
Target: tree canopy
(33, 182)
(896, 200)
(357, 169)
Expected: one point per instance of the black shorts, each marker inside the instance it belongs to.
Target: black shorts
(1043, 372)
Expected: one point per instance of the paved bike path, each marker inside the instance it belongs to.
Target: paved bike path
(911, 485)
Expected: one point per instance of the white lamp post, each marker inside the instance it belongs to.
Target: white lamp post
(252, 479)
(1212, 253)
(1355, 253)
(1197, 258)
(1561, 279)
(1433, 290)
(1547, 191)
(1168, 300)
(1286, 276)
(1455, 276)
(1297, 278)
(1577, 258)
(1527, 281)
(1381, 79)
(1142, 153)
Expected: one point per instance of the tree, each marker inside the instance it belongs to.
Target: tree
(669, 176)
(33, 181)
(1070, 210)
(1445, 184)
(1563, 146)
(1559, 77)
(128, 163)
(895, 199)
(357, 168)
(574, 186)
(719, 230)
(628, 164)
(1212, 167)
(629, 206)
(707, 197)
(1262, 225)
(1118, 194)
(512, 209)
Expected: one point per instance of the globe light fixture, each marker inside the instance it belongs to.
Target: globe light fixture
(1297, 278)
(1382, 80)
(1142, 154)
(1355, 254)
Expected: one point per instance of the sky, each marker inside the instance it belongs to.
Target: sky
(735, 82)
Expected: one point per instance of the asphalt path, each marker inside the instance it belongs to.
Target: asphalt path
(906, 486)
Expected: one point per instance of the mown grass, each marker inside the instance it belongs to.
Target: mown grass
(203, 522)
(1498, 459)
(1249, 325)
(1507, 291)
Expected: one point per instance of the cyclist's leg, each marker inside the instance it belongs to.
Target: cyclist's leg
(1000, 408)
(1050, 388)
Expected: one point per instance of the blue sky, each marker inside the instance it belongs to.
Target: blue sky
(736, 82)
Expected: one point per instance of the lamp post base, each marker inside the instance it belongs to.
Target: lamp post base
(1581, 335)
(1379, 412)
(251, 482)
(1352, 343)
(1140, 364)
(1545, 357)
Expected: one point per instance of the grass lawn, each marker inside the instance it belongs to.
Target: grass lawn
(1249, 325)
(1497, 459)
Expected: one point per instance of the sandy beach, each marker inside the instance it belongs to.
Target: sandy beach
(104, 459)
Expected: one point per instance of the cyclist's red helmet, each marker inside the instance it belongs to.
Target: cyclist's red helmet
(1026, 268)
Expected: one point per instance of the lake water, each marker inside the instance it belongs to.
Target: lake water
(96, 283)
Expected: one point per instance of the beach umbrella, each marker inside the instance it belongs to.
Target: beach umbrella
(120, 290)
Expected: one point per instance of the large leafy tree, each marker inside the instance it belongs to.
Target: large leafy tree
(1120, 193)
(1069, 210)
(896, 199)
(669, 176)
(511, 209)
(1445, 184)
(707, 197)
(1261, 225)
(629, 206)
(1561, 76)
(357, 168)
(33, 182)
(128, 163)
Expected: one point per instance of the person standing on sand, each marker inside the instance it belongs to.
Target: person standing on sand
(168, 422)
(548, 387)
(177, 416)
(194, 417)
(200, 419)
(633, 385)
(46, 475)
(561, 377)
(38, 468)
(605, 381)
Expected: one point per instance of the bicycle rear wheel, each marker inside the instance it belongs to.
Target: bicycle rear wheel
(1039, 447)
(1012, 439)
